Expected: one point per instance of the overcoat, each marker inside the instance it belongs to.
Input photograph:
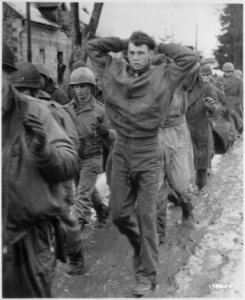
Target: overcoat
(233, 88)
(198, 122)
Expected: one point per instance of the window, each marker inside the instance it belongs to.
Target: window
(61, 67)
(42, 55)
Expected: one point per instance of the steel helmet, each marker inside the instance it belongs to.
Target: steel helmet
(43, 70)
(228, 67)
(82, 75)
(8, 59)
(238, 73)
(206, 69)
(26, 76)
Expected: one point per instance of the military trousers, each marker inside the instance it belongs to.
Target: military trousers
(136, 164)
(89, 170)
(178, 169)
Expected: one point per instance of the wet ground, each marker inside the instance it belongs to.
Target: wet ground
(202, 262)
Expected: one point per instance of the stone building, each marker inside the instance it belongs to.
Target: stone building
(49, 45)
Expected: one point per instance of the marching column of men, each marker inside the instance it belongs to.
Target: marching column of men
(159, 113)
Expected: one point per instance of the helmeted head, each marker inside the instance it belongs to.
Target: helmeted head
(140, 50)
(82, 75)
(83, 81)
(228, 69)
(238, 74)
(45, 75)
(206, 73)
(206, 69)
(26, 79)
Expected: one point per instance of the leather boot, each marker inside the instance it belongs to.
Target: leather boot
(76, 264)
(102, 215)
(187, 215)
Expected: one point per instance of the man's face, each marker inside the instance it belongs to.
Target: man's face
(83, 92)
(228, 74)
(138, 56)
(206, 77)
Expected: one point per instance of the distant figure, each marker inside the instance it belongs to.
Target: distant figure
(233, 88)
(222, 123)
(202, 103)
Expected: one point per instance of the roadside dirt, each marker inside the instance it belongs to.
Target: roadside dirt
(201, 262)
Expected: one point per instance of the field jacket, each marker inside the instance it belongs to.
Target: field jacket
(137, 104)
(32, 187)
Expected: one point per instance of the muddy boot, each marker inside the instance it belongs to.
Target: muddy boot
(161, 238)
(142, 288)
(76, 264)
(102, 215)
(173, 198)
(187, 215)
(82, 225)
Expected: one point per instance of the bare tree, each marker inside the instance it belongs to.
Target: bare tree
(81, 34)
(75, 25)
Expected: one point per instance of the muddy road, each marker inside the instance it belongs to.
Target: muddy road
(202, 262)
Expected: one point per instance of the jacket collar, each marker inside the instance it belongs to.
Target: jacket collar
(88, 106)
(135, 73)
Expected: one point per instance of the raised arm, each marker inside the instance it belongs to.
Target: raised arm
(184, 59)
(98, 51)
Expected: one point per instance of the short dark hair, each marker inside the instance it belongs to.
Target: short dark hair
(139, 38)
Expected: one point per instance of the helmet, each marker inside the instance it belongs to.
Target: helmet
(228, 67)
(26, 76)
(82, 75)
(206, 69)
(8, 59)
(238, 73)
(43, 70)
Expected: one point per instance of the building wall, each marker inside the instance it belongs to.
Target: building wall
(45, 41)
(45, 45)
(12, 23)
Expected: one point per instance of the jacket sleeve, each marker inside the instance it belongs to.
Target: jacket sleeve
(107, 141)
(60, 96)
(211, 91)
(219, 92)
(70, 127)
(98, 51)
(184, 59)
(59, 160)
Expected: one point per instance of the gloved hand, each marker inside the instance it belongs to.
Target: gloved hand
(102, 130)
(35, 135)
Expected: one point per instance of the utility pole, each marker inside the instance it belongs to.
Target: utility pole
(28, 32)
(196, 37)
